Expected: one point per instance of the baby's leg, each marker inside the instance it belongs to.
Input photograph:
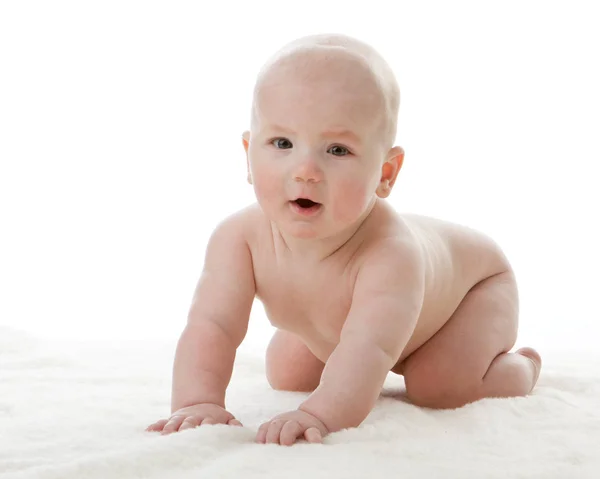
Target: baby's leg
(468, 358)
(290, 365)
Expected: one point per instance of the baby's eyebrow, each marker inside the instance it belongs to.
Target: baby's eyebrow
(281, 129)
(331, 133)
(342, 133)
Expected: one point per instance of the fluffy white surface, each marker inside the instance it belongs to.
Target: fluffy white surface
(79, 410)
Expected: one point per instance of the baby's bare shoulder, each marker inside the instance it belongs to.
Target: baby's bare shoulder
(390, 247)
(243, 223)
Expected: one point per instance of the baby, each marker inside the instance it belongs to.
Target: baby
(354, 289)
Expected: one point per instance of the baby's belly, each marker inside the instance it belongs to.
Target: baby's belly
(322, 334)
(320, 325)
(429, 323)
(322, 346)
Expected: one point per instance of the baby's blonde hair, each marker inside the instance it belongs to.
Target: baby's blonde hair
(382, 73)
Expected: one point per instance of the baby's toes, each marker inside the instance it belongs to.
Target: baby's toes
(534, 357)
(531, 354)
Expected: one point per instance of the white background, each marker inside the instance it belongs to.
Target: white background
(120, 148)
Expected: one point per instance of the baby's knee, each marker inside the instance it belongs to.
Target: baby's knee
(438, 398)
(286, 376)
(290, 365)
(424, 390)
(288, 382)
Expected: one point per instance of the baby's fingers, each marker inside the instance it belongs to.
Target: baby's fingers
(191, 422)
(290, 432)
(157, 426)
(274, 431)
(234, 422)
(312, 434)
(173, 424)
(261, 434)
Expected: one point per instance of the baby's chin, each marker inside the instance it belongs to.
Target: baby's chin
(304, 231)
(319, 225)
(323, 229)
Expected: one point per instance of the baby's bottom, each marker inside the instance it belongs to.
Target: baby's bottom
(465, 361)
(468, 358)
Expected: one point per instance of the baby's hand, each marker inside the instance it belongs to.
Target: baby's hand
(194, 416)
(286, 428)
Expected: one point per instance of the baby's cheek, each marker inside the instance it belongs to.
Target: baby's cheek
(266, 184)
(352, 199)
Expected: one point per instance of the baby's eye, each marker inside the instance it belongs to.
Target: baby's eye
(282, 143)
(338, 150)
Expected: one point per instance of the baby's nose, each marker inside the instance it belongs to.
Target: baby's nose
(308, 170)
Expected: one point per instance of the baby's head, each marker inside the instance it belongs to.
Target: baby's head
(323, 123)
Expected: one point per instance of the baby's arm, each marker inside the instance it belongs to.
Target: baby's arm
(386, 304)
(217, 323)
(217, 320)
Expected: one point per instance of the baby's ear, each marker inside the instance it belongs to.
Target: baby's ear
(389, 171)
(246, 143)
(246, 140)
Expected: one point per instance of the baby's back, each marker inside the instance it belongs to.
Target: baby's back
(456, 258)
(313, 300)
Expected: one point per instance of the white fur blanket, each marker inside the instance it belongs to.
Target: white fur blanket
(79, 410)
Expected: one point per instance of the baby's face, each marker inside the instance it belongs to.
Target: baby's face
(318, 137)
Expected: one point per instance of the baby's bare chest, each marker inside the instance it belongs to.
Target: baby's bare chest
(311, 303)
(314, 302)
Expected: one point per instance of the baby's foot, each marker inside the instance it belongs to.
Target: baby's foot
(535, 359)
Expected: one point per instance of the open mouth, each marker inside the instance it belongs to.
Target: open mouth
(305, 203)
(306, 207)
